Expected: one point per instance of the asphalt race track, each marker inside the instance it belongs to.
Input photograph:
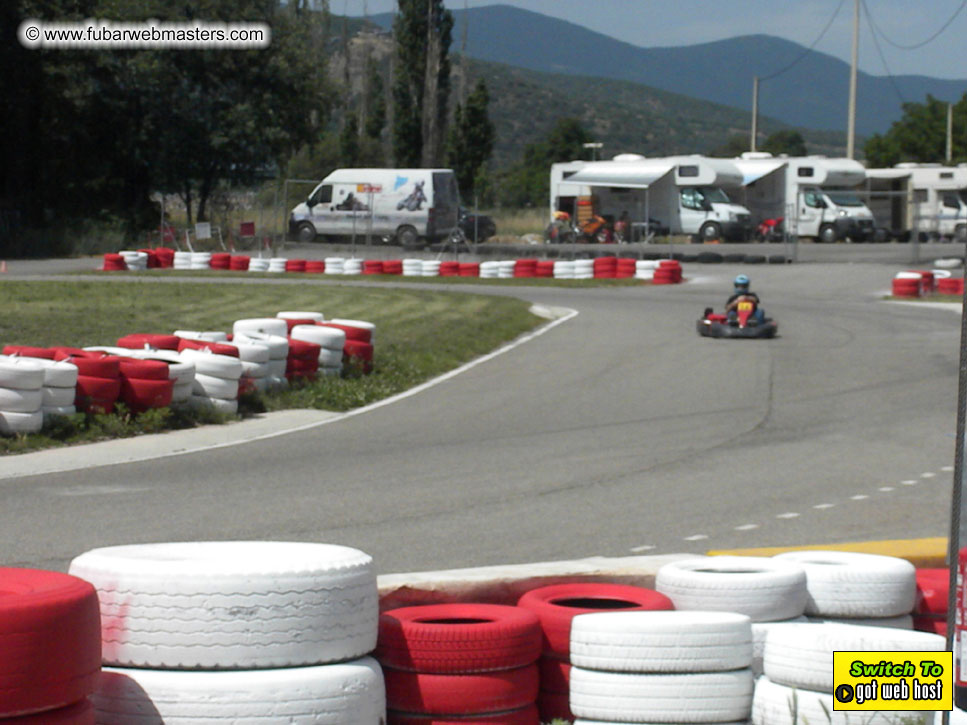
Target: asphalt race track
(620, 431)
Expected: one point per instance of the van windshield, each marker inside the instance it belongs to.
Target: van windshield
(715, 195)
(844, 198)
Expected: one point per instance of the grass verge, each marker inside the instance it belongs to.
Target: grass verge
(419, 334)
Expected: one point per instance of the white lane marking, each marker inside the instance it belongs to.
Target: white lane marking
(696, 537)
(824, 506)
(97, 490)
(746, 527)
(886, 488)
(789, 515)
(644, 547)
(909, 483)
(859, 497)
(928, 474)
(947, 469)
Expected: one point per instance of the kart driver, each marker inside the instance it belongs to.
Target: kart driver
(742, 291)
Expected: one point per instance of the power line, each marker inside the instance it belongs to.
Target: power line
(808, 50)
(933, 37)
(879, 51)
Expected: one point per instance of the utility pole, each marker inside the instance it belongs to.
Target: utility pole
(851, 114)
(950, 132)
(755, 112)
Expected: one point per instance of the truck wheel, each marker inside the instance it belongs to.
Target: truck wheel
(960, 233)
(827, 234)
(710, 231)
(306, 232)
(406, 236)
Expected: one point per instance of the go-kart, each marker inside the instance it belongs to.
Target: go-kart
(741, 324)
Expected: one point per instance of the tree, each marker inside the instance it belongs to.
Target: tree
(735, 145)
(527, 183)
(471, 140)
(920, 136)
(421, 89)
(785, 142)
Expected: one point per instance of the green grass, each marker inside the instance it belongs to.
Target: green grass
(419, 334)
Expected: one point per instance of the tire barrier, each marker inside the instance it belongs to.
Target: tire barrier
(669, 271)
(449, 269)
(140, 340)
(430, 268)
(765, 590)
(951, 286)
(295, 265)
(352, 266)
(182, 260)
(220, 260)
(98, 381)
(489, 270)
(200, 260)
(207, 335)
(373, 266)
(278, 349)
(145, 384)
(412, 267)
(114, 263)
(216, 382)
(277, 265)
(303, 359)
(335, 265)
(331, 342)
(134, 260)
(21, 395)
(645, 269)
(52, 620)
(265, 325)
(393, 266)
(908, 284)
(258, 264)
(556, 606)
(466, 660)
(239, 263)
(930, 610)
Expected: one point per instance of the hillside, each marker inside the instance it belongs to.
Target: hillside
(813, 94)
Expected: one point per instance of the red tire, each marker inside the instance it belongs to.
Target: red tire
(303, 349)
(96, 395)
(469, 269)
(359, 353)
(137, 341)
(558, 604)
(524, 716)
(91, 364)
(302, 367)
(27, 351)
(295, 265)
(315, 266)
(143, 369)
(458, 638)
(360, 334)
(933, 589)
(292, 323)
(140, 395)
(217, 348)
(432, 694)
(930, 623)
(50, 632)
(80, 713)
(239, 263)
(555, 675)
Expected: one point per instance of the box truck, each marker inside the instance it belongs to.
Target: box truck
(409, 206)
(814, 195)
(682, 194)
(938, 199)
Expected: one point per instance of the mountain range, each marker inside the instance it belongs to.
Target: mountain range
(812, 93)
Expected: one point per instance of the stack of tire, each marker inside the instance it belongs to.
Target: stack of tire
(166, 257)
(258, 264)
(216, 378)
(583, 269)
(430, 268)
(141, 341)
(545, 268)
(373, 266)
(626, 268)
(950, 286)
(449, 268)
(669, 271)
(278, 350)
(556, 606)
(469, 269)
(661, 667)
(114, 263)
(563, 269)
(798, 671)
(145, 384)
(154, 259)
(605, 267)
(412, 267)
(50, 637)
(357, 350)
(352, 266)
(221, 261)
(908, 284)
(460, 663)
(135, 261)
(182, 260)
(335, 265)
(768, 591)
(392, 266)
(525, 268)
(277, 265)
(489, 270)
(60, 387)
(295, 265)
(181, 372)
(315, 266)
(505, 268)
(254, 356)
(21, 395)
(331, 342)
(645, 269)
(201, 260)
(857, 588)
(239, 263)
(930, 610)
(98, 380)
(254, 632)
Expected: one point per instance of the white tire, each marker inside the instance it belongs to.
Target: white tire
(56, 397)
(330, 358)
(20, 373)
(179, 369)
(764, 589)
(277, 368)
(760, 630)
(350, 693)
(206, 335)
(55, 410)
(265, 325)
(848, 584)
(904, 621)
(331, 371)
(212, 387)
(208, 363)
(258, 264)
(775, 704)
(11, 423)
(232, 605)
(278, 382)
(330, 338)
(278, 345)
(181, 392)
(57, 373)
(682, 698)
(254, 370)
(251, 351)
(357, 323)
(300, 315)
(665, 641)
(22, 401)
(801, 655)
(229, 407)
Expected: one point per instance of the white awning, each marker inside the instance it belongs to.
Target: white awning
(626, 174)
(754, 169)
(887, 173)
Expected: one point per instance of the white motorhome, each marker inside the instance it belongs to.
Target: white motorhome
(683, 194)
(814, 195)
(939, 199)
(404, 204)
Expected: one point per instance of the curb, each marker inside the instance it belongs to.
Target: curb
(930, 553)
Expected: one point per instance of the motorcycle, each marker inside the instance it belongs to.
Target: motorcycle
(742, 325)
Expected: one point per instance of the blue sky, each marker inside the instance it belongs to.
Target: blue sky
(651, 23)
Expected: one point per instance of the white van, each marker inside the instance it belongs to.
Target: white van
(409, 206)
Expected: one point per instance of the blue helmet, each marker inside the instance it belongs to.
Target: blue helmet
(741, 282)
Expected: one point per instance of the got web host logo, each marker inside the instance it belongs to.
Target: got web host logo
(892, 680)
